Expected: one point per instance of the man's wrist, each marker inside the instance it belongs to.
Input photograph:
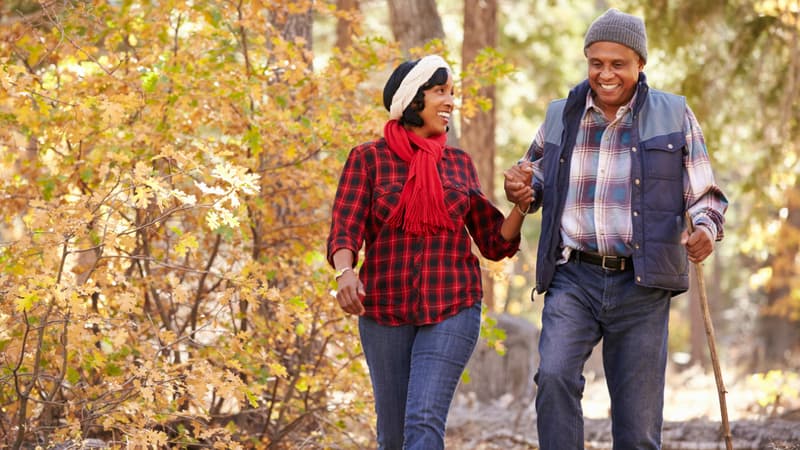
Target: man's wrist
(707, 226)
(707, 229)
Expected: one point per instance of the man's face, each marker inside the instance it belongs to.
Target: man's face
(613, 73)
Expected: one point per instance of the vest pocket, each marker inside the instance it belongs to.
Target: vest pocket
(664, 157)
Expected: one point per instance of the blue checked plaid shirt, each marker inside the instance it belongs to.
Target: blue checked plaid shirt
(597, 213)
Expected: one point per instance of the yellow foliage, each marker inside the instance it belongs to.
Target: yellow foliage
(775, 387)
(167, 171)
(785, 10)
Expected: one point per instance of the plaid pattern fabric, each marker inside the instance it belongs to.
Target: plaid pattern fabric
(597, 212)
(414, 279)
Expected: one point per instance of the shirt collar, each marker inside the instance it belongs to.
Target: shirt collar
(446, 152)
(590, 104)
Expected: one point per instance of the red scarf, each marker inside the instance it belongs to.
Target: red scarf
(421, 209)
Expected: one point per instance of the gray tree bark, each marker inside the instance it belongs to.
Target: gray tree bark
(781, 334)
(414, 22)
(344, 27)
(478, 132)
(295, 26)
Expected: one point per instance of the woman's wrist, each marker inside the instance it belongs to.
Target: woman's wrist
(342, 271)
(522, 211)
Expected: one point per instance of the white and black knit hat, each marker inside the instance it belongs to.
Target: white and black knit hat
(616, 26)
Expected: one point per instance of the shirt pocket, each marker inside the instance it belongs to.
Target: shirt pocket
(385, 200)
(664, 157)
(456, 200)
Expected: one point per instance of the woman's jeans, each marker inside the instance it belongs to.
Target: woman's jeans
(414, 372)
(584, 304)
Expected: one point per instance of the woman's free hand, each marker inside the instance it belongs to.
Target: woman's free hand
(350, 292)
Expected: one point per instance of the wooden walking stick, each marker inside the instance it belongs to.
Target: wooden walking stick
(712, 346)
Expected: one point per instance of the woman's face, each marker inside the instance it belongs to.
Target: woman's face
(439, 104)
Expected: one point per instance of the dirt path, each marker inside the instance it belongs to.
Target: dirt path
(491, 428)
(691, 413)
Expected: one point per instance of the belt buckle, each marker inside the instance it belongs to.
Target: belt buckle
(620, 261)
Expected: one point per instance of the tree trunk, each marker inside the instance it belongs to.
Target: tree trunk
(477, 132)
(414, 22)
(780, 334)
(15, 10)
(294, 27)
(345, 26)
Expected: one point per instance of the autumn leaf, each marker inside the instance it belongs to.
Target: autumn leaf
(278, 370)
(26, 301)
(185, 243)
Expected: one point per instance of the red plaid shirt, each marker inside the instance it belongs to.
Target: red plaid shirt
(414, 279)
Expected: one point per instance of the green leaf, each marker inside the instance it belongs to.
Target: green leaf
(48, 185)
(113, 370)
(73, 376)
(253, 140)
(251, 398)
(86, 174)
(298, 302)
(149, 81)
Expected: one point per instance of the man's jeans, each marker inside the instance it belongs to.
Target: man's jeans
(584, 304)
(414, 372)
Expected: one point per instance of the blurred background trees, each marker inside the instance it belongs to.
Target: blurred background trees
(167, 170)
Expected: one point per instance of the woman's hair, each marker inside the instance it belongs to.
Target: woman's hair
(411, 113)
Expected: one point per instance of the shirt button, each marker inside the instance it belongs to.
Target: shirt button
(669, 146)
(561, 160)
(636, 182)
(639, 279)
(633, 149)
(636, 214)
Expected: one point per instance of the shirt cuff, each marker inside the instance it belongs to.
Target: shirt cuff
(709, 227)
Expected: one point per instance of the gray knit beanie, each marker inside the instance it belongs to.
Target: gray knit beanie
(616, 26)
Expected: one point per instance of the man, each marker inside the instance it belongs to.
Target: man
(616, 166)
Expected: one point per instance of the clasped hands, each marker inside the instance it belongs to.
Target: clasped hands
(517, 184)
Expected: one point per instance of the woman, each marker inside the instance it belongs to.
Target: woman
(414, 202)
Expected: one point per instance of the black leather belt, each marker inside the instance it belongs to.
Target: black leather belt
(616, 263)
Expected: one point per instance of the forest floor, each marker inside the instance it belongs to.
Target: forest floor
(691, 413)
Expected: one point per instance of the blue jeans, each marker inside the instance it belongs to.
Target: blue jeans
(415, 371)
(584, 304)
